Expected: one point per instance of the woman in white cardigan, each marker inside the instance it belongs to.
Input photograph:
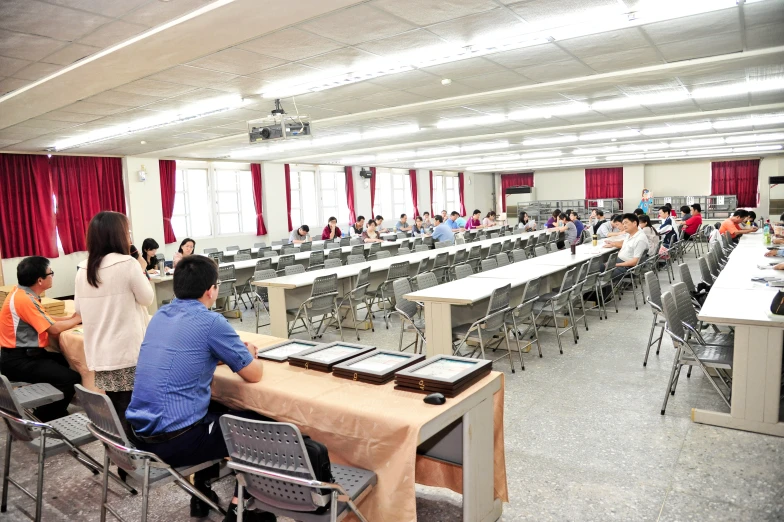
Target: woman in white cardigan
(112, 295)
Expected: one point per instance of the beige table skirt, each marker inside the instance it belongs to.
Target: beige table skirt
(363, 425)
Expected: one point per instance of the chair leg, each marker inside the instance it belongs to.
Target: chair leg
(337, 318)
(145, 488)
(570, 309)
(104, 484)
(6, 470)
(650, 342)
(39, 492)
(508, 349)
(675, 365)
(555, 323)
(354, 317)
(240, 501)
(536, 334)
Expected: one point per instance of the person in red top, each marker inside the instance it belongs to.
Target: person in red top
(731, 224)
(474, 222)
(25, 328)
(331, 231)
(691, 225)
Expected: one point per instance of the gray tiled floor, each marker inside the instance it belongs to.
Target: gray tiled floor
(584, 441)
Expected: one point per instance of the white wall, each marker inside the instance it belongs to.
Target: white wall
(560, 184)
(478, 192)
(144, 199)
(677, 178)
(633, 183)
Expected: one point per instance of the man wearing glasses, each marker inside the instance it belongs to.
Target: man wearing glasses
(25, 328)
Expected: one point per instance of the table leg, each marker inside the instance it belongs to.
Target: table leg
(438, 328)
(155, 304)
(277, 309)
(478, 502)
(756, 383)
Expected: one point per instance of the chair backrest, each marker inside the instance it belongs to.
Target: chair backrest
(243, 251)
(216, 256)
(332, 263)
(210, 250)
(269, 253)
(502, 259)
(383, 254)
(495, 248)
(362, 280)
(405, 245)
(356, 240)
(327, 284)
(358, 250)
(422, 268)
(290, 250)
(532, 241)
(263, 264)
(443, 244)
(10, 406)
(294, 269)
(686, 277)
(463, 270)
(460, 257)
(506, 246)
(334, 253)
(374, 248)
(489, 264)
(705, 272)
(355, 258)
(306, 246)
(227, 273)
(670, 309)
(426, 280)
(261, 275)
(441, 260)
(345, 241)
(401, 287)
(260, 252)
(499, 300)
(421, 248)
(273, 447)
(398, 270)
(531, 291)
(495, 235)
(319, 246)
(260, 245)
(233, 247)
(284, 261)
(569, 280)
(713, 264)
(316, 257)
(654, 291)
(242, 257)
(595, 265)
(475, 252)
(686, 311)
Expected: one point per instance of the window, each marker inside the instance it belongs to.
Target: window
(393, 194)
(446, 194)
(316, 195)
(333, 196)
(304, 204)
(236, 211)
(192, 216)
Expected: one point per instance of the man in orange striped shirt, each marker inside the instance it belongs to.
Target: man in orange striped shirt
(731, 224)
(25, 328)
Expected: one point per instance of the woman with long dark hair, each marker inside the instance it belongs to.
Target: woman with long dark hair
(149, 249)
(187, 246)
(526, 223)
(112, 295)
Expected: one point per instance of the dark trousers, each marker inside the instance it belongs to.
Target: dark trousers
(201, 443)
(36, 365)
(121, 400)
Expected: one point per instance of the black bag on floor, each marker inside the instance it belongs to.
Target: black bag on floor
(319, 459)
(777, 305)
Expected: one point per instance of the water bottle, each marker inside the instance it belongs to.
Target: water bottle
(766, 233)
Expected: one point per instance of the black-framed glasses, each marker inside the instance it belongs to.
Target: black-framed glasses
(217, 285)
(51, 273)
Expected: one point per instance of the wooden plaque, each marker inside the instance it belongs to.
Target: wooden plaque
(376, 367)
(446, 374)
(324, 356)
(282, 351)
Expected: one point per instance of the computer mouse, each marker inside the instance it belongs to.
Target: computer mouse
(435, 398)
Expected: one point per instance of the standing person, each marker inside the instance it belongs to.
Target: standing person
(566, 226)
(526, 223)
(426, 221)
(577, 223)
(371, 235)
(633, 247)
(25, 328)
(331, 231)
(650, 233)
(402, 225)
(474, 222)
(300, 235)
(170, 411)
(692, 224)
(187, 246)
(442, 232)
(666, 228)
(112, 296)
(489, 220)
(552, 221)
(149, 249)
(358, 227)
(599, 220)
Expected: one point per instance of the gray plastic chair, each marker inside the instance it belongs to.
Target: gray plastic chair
(705, 272)
(283, 262)
(216, 256)
(605, 280)
(359, 295)
(502, 259)
(489, 264)
(530, 246)
(287, 250)
(143, 468)
(441, 266)
(242, 251)
(382, 254)
(550, 303)
(355, 258)
(261, 297)
(307, 246)
(461, 271)
(47, 439)
(654, 301)
(227, 289)
(524, 314)
(233, 247)
(260, 245)
(461, 256)
(443, 244)
(518, 255)
(334, 253)
(332, 263)
(210, 250)
(384, 296)
(247, 288)
(358, 250)
(493, 324)
(407, 311)
(421, 248)
(426, 280)
(242, 256)
(374, 250)
(493, 251)
(272, 464)
(322, 303)
(294, 269)
(316, 260)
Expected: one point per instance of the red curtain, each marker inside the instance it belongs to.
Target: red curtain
(736, 177)
(287, 172)
(412, 178)
(431, 194)
(372, 192)
(27, 222)
(525, 179)
(604, 183)
(112, 193)
(168, 169)
(461, 189)
(352, 216)
(255, 175)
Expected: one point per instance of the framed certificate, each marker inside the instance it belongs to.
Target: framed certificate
(282, 351)
(377, 367)
(324, 356)
(446, 374)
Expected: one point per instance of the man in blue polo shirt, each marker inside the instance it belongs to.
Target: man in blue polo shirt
(442, 232)
(451, 222)
(170, 410)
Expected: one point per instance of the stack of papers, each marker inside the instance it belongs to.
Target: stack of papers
(4, 291)
(53, 307)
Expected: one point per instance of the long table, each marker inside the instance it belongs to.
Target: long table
(290, 291)
(734, 300)
(464, 301)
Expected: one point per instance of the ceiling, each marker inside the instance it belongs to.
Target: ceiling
(115, 63)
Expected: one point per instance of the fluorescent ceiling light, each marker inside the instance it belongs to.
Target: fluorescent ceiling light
(733, 89)
(254, 152)
(758, 148)
(454, 149)
(677, 129)
(704, 152)
(357, 160)
(756, 137)
(389, 132)
(595, 150)
(578, 161)
(336, 139)
(707, 142)
(543, 154)
(565, 109)
(625, 157)
(427, 164)
(753, 121)
(504, 157)
(471, 121)
(590, 136)
(664, 155)
(640, 99)
(634, 147)
(401, 154)
(467, 161)
(484, 146)
(548, 141)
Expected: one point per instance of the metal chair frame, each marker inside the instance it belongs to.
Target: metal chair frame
(359, 294)
(559, 300)
(384, 294)
(323, 302)
(654, 301)
(407, 311)
(261, 296)
(525, 311)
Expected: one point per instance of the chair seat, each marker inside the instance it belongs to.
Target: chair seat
(73, 427)
(162, 476)
(354, 480)
(459, 332)
(546, 296)
(35, 395)
(718, 339)
(715, 356)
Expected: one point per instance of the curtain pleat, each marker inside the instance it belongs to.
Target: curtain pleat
(352, 216)
(412, 177)
(604, 183)
(514, 180)
(255, 174)
(461, 189)
(168, 170)
(287, 172)
(736, 177)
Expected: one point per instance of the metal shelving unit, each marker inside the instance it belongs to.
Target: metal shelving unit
(713, 207)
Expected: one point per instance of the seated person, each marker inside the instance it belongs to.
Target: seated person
(402, 225)
(187, 246)
(526, 223)
(371, 235)
(577, 223)
(638, 212)
(137, 256)
(380, 225)
(474, 222)
(633, 247)
(552, 221)
(685, 212)
(331, 231)
(599, 220)
(452, 221)
(489, 220)
(149, 250)
(170, 411)
(443, 217)
(731, 224)
(692, 224)
(25, 328)
(461, 222)
(358, 227)
(426, 221)
(593, 219)
(653, 237)
(610, 228)
(299, 235)
(568, 228)
(419, 228)
(442, 232)
(666, 227)
(750, 221)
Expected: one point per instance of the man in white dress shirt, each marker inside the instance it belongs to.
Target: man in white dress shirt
(633, 247)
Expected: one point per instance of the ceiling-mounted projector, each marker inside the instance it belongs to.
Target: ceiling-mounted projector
(278, 126)
(365, 173)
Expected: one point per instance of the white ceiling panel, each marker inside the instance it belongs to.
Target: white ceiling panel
(27, 46)
(762, 36)
(154, 88)
(717, 77)
(291, 72)
(394, 98)
(426, 13)
(438, 91)
(155, 13)
(319, 113)
(415, 42)
(357, 24)
(763, 13)
(8, 66)
(693, 27)
(340, 60)
(108, 8)
(5, 142)
(34, 17)
(528, 56)
(49, 125)
(469, 29)
(242, 85)
(98, 109)
(715, 45)
(36, 71)
(355, 106)
(552, 14)
(555, 71)
(112, 33)
(499, 80)
(237, 61)
(69, 54)
(125, 99)
(193, 76)
(19, 132)
(626, 59)
(11, 84)
(608, 42)
(465, 68)
(291, 44)
(407, 79)
(70, 116)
